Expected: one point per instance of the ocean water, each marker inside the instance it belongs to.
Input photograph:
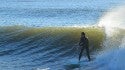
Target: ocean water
(41, 13)
(44, 35)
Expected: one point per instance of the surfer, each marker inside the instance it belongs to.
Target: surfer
(84, 43)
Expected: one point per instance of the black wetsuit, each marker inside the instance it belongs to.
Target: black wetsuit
(84, 43)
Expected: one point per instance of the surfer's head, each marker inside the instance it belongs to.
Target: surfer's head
(82, 34)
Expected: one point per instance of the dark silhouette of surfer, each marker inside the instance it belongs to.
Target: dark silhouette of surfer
(84, 43)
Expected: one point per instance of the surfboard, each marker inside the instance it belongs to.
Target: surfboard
(75, 64)
(72, 64)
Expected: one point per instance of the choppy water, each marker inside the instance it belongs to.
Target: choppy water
(43, 13)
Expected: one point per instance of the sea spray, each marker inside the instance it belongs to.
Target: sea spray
(112, 58)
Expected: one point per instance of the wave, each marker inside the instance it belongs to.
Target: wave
(38, 46)
(29, 48)
(50, 43)
(112, 58)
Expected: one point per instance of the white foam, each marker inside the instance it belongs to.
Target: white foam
(113, 58)
(113, 19)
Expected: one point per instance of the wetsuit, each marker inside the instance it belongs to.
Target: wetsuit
(84, 43)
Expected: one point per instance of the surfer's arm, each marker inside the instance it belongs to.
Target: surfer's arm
(79, 43)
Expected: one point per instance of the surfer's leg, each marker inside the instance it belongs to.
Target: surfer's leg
(80, 54)
(87, 52)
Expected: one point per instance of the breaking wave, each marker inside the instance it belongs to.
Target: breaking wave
(32, 48)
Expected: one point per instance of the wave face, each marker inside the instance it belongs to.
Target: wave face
(28, 48)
